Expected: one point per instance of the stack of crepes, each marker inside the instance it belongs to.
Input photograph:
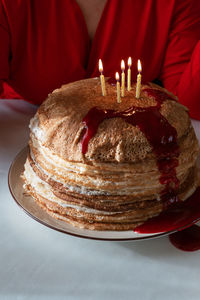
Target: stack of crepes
(94, 169)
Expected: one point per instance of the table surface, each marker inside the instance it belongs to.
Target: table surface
(39, 263)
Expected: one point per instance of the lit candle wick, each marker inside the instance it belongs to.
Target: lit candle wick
(123, 78)
(139, 78)
(129, 74)
(102, 79)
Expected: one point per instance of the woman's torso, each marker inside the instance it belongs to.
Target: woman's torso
(50, 43)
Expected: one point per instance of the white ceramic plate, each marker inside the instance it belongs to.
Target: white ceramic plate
(28, 204)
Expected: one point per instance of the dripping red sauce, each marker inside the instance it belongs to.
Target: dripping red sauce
(163, 139)
(187, 239)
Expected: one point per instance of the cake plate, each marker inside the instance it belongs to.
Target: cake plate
(27, 203)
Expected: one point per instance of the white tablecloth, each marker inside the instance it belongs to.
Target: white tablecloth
(39, 263)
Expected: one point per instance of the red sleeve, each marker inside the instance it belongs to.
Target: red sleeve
(4, 48)
(181, 67)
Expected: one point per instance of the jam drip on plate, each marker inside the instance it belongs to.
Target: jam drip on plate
(187, 239)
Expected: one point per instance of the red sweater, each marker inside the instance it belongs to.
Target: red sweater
(45, 43)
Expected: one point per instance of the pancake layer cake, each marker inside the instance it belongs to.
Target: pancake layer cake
(103, 165)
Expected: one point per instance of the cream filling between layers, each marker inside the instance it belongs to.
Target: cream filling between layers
(85, 191)
(43, 189)
(133, 190)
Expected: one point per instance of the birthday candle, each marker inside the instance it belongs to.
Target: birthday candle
(129, 74)
(102, 79)
(139, 77)
(122, 78)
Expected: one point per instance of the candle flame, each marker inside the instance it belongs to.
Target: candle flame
(139, 66)
(122, 65)
(100, 66)
(129, 62)
(117, 76)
